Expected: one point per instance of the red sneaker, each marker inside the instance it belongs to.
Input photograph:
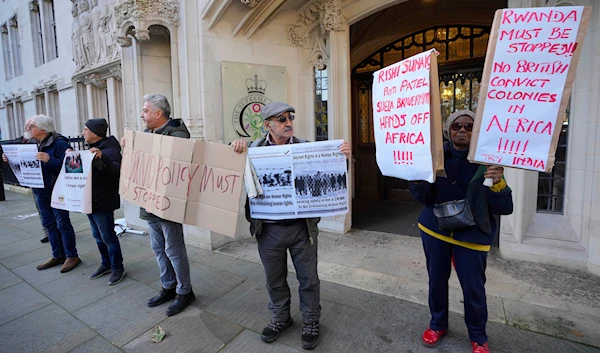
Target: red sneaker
(480, 348)
(431, 338)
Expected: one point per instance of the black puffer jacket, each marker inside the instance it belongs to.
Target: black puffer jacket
(105, 176)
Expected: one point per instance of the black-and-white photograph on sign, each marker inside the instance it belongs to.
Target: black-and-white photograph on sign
(300, 181)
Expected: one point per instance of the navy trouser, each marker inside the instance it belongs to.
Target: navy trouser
(103, 230)
(58, 224)
(273, 244)
(470, 267)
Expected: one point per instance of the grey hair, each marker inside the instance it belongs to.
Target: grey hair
(159, 102)
(43, 122)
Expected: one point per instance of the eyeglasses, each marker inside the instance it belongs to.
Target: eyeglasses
(457, 126)
(283, 118)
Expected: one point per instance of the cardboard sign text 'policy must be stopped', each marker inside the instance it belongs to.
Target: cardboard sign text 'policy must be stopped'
(184, 181)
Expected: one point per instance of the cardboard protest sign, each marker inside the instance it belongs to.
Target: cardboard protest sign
(527, 80)
(73, 188)
(184, 181)
(300, 180)
(407, 119)
(25, 166)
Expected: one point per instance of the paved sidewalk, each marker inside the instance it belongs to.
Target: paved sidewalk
(46, 311)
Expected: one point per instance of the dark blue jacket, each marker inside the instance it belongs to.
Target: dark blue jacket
(464, 180)
(105, 176)
(55, 145)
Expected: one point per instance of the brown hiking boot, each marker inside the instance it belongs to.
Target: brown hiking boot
(70, 264)
(51, 263)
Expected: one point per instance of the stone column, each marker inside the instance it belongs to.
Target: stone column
(89, 91)
(115, 103)
(339, 109)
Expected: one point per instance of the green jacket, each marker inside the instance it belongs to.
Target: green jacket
(175, 128)
(256, 224)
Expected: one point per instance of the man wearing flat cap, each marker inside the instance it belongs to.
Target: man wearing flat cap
(106, 169)
(275, 238)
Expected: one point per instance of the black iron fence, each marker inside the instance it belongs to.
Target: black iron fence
(76, 142)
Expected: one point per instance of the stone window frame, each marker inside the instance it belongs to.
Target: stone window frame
(49, 28)
(37, 33)
(15, 46)
(6, 52)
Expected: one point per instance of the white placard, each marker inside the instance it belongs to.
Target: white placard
(523, 91)
(73, 188)
(302, 180)
(25, 166)
(402, 118)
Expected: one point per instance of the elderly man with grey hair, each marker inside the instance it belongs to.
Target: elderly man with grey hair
(52, 147)
(275, 238)
(166, 237)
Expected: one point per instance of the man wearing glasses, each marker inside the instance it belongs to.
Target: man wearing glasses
(275, 238)
(52, 147)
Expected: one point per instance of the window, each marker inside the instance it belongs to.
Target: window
(54, 108)
(10, 118)
(37, 34)
(6, 53)
(321, 104)
(50, 42)
(40, 104)
(551, 186)
(15, 46)
(43, 31)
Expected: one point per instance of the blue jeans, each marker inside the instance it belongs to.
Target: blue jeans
(58, 224)
(103, 230)
(166, 239)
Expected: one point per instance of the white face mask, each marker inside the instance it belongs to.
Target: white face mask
(27, 135)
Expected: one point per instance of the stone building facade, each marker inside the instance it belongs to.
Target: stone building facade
(327, 49)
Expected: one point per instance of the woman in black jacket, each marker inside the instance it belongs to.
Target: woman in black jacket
(468, 246)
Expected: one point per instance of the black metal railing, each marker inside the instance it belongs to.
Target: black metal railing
(76, 142)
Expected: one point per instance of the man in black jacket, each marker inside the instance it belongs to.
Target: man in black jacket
(106, 169)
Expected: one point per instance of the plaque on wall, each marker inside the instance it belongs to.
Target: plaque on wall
(247, 88)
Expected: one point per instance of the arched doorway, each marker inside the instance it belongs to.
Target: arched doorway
(383, 203)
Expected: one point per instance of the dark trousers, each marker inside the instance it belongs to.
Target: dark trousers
(103, 230)
(58, 224)
(273, 244)
(470, 268)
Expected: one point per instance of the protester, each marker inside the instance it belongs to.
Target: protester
(467, 246)
(166, 237)
(276, 237)
(106, 170)
(52, 147)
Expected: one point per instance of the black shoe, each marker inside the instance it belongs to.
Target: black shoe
(44, 239)
(310, 335)
(275, 328)
(181, 302)
(117, 276)
(164, 296)
(101, 271)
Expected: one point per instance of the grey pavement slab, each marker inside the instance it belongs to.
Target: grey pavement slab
(247, 269)
(35, 277)
(124, 315)
(206, 257)
(7, 278)
(210, 284)
(559, 323)
(19, 300)
(246, 305)
(13, 237)
(98, 344)
(18, 247)
(346, 329)
(193, 330)
(145, 271)
(89, 290)
(49, 329)
(249, 342)
(32, 256)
